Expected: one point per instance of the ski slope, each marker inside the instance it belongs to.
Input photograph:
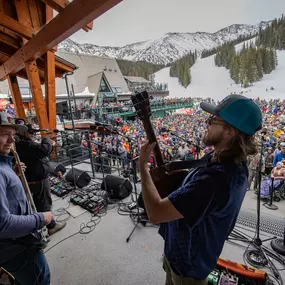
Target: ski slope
(209, 80)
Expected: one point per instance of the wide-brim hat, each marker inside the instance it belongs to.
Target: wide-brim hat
(29, 129)
(4, 121)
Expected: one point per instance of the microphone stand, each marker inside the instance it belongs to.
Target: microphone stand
(270, 205)
(260, 256)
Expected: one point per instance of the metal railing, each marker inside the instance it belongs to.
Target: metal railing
(128, 110)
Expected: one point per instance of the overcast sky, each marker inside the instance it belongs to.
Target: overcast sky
(137, 20)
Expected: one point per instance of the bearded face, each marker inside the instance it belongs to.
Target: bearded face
(212, 137)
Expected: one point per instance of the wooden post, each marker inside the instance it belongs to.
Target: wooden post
(49, 63)
(37, 94)
(16, 96)
(50, 89)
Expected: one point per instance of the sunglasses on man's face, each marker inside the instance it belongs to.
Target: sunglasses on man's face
(215, 121)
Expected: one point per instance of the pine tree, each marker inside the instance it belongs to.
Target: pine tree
(234, 69)
(259, 64)
(276, 58)
(266, 62)
(186, 80)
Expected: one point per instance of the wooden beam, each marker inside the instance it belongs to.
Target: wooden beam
(37, 94)
(77, 14)
(16, 27)
(59, 66)
(10, 33)
(34, 12)
(2, 6)
(23, 74)
(7, 49)
(59, 5)
(50, 89)
(90, 25)
(4, 38)
(49, 17)
(23, 12)
(16, 97)
(49, 14)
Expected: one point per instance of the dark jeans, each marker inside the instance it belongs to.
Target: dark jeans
(173, 279)
(42, 197)
(29, 268)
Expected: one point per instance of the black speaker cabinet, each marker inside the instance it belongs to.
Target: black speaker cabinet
(79, 177)
(56, 167)
(117, 187)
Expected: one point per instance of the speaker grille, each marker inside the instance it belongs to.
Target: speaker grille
(268, 224)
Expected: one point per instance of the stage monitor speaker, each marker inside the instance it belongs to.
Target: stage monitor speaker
(117, 187)
(56, 167)
(79, 177)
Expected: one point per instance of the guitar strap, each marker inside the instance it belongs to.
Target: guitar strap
(189, 164)
(201, 163)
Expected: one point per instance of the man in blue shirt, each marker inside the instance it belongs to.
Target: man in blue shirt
(197, 218)
(18, 225)
(280, 156)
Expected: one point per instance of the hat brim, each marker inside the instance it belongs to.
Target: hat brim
(18, 128)
(209, 108)
(34, 130)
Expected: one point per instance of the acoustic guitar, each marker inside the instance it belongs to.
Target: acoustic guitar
(165, 180)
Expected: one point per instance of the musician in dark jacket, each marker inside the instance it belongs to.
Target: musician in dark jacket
(27, 264)
(35, 156)
(197, 218)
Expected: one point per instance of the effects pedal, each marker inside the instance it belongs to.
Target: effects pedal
(228, 279)
(213, 277)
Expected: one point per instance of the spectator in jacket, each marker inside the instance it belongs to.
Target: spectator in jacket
(280, 156)
(27, 264)
(269, 161)
(35, 156)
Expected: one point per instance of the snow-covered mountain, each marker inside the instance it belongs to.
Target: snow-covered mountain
(209, 80)
(166, 49)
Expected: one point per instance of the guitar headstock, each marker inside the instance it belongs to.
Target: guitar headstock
(142, 104)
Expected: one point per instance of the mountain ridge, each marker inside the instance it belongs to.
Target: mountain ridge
(168, 48)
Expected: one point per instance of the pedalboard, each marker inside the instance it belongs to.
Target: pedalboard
(92, 201)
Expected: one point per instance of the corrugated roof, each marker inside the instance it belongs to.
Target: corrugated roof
(136, 79)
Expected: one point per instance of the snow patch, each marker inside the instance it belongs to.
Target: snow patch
(209, 80)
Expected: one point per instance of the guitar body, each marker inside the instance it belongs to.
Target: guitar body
(165, 182)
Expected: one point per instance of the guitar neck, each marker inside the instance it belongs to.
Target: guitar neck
(152, 138)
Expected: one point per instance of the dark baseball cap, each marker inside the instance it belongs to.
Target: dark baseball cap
(238, 111)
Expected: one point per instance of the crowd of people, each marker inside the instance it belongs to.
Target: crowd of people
(179, 135)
